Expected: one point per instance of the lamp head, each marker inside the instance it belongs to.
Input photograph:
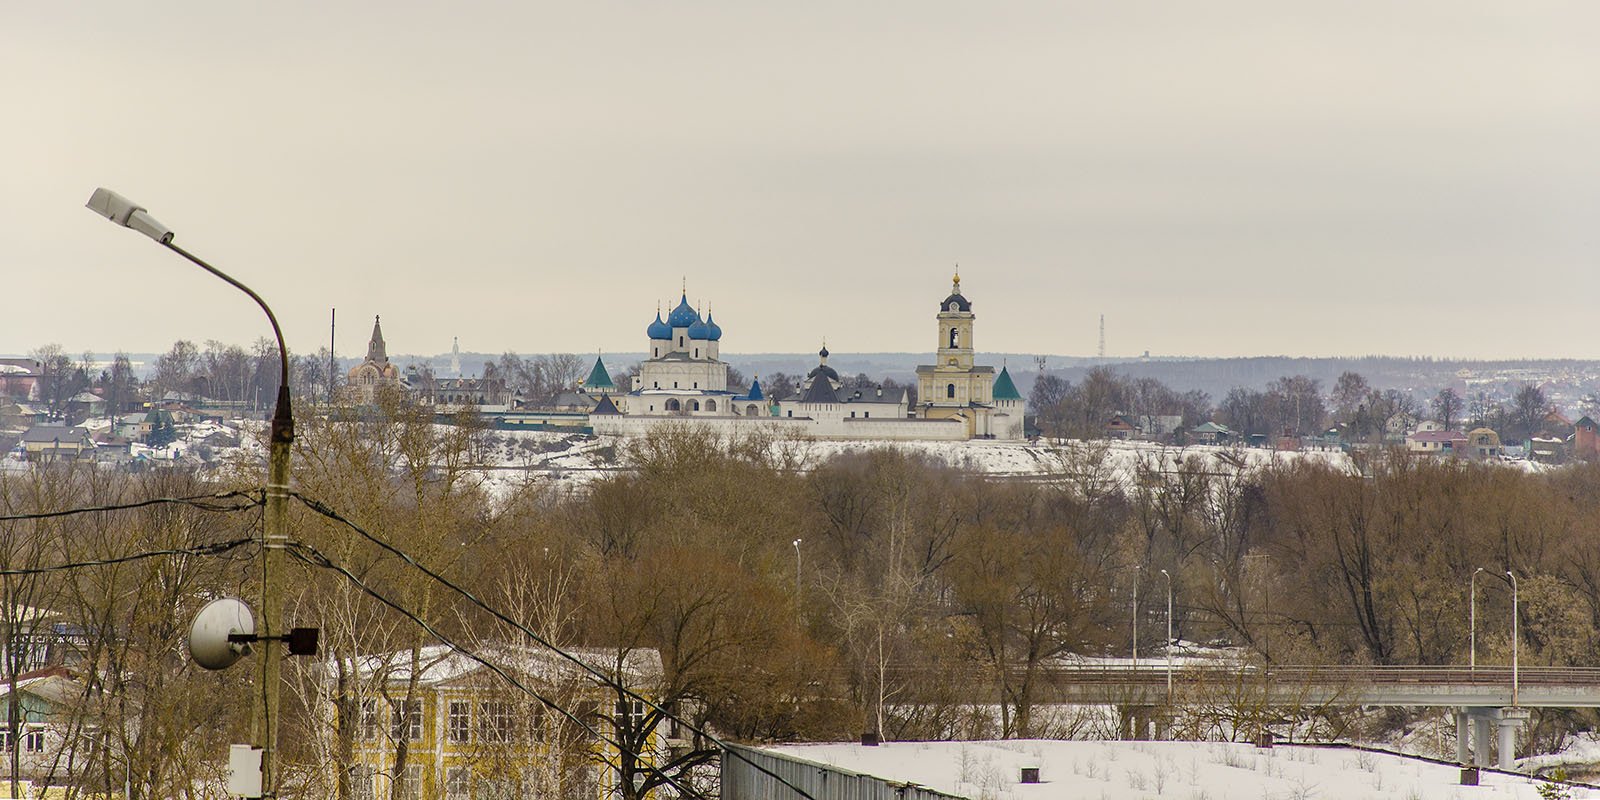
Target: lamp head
(126, 213)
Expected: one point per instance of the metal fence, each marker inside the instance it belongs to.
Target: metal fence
(744, 779)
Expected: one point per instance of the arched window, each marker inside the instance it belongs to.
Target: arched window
(655, 352)
(680, 341)
(711, 405)
(697, 352)
(955, 337)
(694, 405)
(672, 405)
(750, 411)
(950, 391)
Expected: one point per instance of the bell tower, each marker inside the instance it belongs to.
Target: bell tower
(955, 329)
(953, 387)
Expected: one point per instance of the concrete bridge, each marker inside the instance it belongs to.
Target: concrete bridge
(1483, 697)
(1394, 685)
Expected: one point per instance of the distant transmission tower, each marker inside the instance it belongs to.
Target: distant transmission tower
(1102, 336)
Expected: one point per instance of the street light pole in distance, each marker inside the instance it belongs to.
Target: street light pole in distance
(1472, 621)
(1514, 638)
(264, 719)
(797, 571)
(1168, 576)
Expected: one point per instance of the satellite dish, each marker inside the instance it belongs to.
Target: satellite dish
(208, 637)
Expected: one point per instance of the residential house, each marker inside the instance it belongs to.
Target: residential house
(86, 405)
(1122, 426)
(1586, 438)
(1483, 443)
(1158, 427)
(19, 416)
(470, 392)
(57, 443)
(1435, 442)
(1544, 449)
(469, 734)
(19, 378)
(134, 427)
(1211, 433)
(46, 734)
(1398, 425)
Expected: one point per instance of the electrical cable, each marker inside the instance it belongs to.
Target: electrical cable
(211, 549)
(324, 510)
(197, 501)
(310, 555)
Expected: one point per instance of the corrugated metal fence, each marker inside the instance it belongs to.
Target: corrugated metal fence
(742, 781)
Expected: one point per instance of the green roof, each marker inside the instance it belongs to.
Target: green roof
(598, 377)
(1004, 389)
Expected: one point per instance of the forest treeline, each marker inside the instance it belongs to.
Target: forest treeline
(875, 591)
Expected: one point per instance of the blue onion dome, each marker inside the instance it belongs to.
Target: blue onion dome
(715, 334)
(684, 315)
(699, 329)
(659, 329)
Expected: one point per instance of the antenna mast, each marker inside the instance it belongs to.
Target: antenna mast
(333, 370)
(1102, 336)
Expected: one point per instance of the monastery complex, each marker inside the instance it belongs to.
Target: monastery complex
(684, 379)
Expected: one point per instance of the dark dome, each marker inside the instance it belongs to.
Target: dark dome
(824, 370)
(955, 302)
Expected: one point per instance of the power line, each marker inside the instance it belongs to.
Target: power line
(204, 502)
(214, 548)
(309, 555)
(320, 508)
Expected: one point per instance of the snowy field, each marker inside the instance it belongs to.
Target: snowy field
(571, 460)
(1074, 770)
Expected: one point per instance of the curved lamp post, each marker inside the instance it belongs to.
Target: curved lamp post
(1472, 623)
(797, 571)
(1514, 638)
(1168, 576)
(264, 727)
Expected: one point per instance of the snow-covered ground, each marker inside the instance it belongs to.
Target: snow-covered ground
(1079, 770)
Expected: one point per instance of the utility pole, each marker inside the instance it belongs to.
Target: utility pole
(265, 719)
(333, 369)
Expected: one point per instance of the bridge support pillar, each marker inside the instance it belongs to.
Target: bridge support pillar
(1137, 723)
(1463, 737)
(1480, 740)
(1510, 720)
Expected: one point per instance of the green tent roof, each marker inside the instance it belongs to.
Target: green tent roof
(1004, 389)
(598, 377)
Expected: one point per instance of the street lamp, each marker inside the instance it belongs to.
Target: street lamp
(263, 724)
(1168, 576)
(1472, 623)
(1138, 572)
(1514, 638)
(797, 570)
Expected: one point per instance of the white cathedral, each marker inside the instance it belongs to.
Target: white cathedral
(684, 379)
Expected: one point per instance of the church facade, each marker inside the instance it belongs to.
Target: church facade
(366, 380)
(685, 380)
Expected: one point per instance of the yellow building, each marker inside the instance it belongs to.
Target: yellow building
(953, 387)
(469, 735)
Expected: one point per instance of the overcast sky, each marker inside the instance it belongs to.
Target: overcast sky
(1218, 178)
